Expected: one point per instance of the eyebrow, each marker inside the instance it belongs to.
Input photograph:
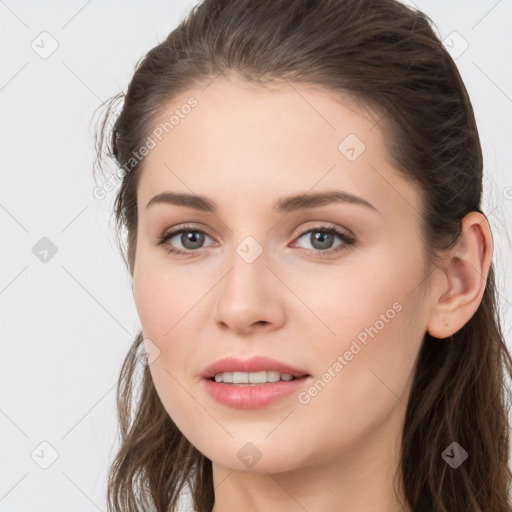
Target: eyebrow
(283, 205)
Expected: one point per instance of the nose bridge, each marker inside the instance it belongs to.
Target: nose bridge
(247, 279)
(248, 294)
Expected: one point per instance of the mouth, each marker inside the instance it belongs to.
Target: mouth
(252, 383)
(253, 389)
(256, 370)
(263, 377)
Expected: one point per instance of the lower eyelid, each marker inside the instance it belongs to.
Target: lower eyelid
(346, 239)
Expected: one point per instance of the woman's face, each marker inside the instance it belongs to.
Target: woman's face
(257, 279)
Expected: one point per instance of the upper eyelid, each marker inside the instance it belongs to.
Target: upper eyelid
(320, 226)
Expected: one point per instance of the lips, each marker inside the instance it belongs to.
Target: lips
(254, 364)
(252, 396)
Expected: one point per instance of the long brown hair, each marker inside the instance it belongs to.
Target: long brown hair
(386, 56)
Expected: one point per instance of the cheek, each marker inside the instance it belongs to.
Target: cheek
(168, 312)
(162, 307)
(163, 297)
(363, 380)
(376, 324)
(350, 304)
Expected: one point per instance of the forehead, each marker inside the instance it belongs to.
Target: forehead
(240, 142)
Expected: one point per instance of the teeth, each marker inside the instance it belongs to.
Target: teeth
(252, 377)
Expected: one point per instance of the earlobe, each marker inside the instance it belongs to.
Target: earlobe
(464, 278)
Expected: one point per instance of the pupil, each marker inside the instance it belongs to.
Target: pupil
(320, 237)
(192, 236)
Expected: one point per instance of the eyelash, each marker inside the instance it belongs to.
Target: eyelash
(348, 241)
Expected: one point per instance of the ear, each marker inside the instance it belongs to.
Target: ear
(463, 278)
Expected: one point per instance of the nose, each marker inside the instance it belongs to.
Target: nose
(249, 297)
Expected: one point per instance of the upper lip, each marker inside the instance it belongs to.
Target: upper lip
(254, 364)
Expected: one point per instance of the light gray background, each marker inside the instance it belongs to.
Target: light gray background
(67, 323)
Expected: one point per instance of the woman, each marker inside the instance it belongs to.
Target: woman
(301, 191)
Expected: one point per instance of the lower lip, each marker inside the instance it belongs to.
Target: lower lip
(244, 396)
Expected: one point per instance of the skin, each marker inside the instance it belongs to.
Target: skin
(244, 147)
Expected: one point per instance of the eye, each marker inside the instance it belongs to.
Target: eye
(191, 239)
(321, 238)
